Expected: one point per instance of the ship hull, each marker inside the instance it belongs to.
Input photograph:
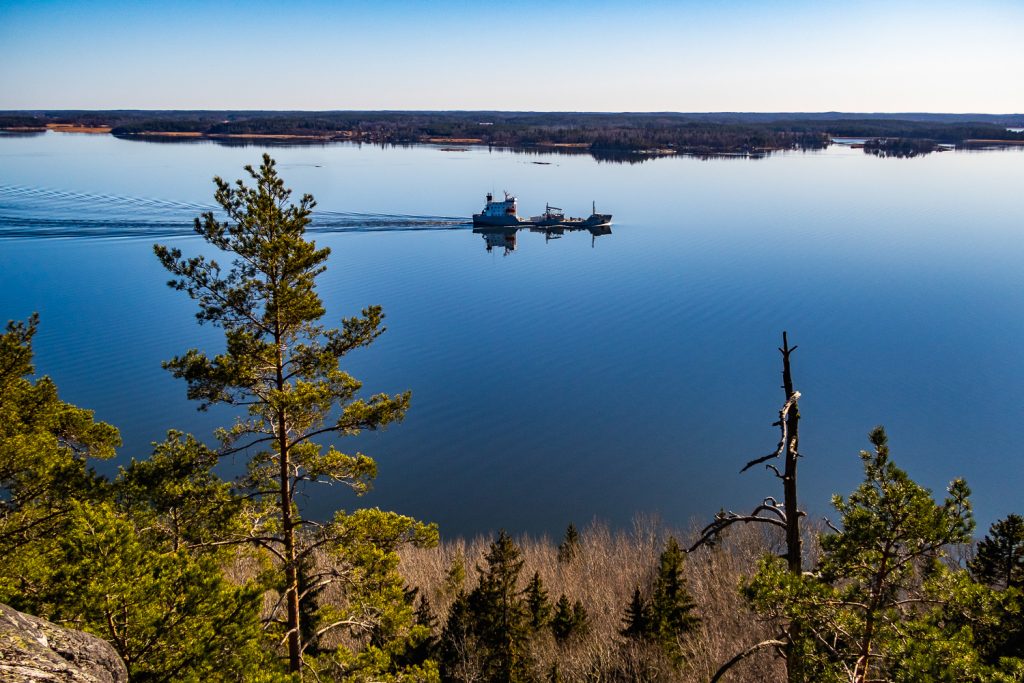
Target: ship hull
(595, 220)
(482, 221)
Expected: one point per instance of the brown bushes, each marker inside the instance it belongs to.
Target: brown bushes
(606, 570)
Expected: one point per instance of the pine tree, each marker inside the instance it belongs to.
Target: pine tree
(46, 446)
(1000, 555)
(282, 366)
(877, 601)
(537, 605)
(569, 548)
(130, 560)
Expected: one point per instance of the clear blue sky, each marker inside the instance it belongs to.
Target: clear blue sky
(617, 55)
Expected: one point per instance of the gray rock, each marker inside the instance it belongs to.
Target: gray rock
(32, 650)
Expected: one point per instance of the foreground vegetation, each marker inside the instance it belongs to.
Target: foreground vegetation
(608, 136)
(194, 578)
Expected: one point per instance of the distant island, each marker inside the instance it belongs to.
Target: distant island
(616, 136)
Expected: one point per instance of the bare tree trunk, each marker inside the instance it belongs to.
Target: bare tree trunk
(785, 515)
(794, 551)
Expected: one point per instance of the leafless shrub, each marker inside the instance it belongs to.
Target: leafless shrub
(609, 566)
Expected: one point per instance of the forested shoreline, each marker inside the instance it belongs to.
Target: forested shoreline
(193, 577)
(613, 133)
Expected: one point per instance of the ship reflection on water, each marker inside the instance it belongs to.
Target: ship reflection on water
(505, 238)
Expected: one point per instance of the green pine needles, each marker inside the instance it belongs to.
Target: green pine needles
(282, 366)
(667, 617)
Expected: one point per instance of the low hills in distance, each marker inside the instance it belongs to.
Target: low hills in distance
(612, 135)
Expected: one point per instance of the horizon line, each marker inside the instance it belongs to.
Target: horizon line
(519, 111)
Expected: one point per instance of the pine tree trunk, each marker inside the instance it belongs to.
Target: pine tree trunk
(291, 572)
(291, 567)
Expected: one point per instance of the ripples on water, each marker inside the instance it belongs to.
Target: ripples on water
(570, 380)
(39, 213)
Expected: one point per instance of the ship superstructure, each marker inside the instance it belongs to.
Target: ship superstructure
(498, 213)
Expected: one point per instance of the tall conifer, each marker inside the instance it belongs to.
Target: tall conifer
(283, 368)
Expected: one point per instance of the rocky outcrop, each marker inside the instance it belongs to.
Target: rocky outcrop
(32, 650)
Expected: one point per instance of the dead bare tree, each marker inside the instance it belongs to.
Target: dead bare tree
(785, 515)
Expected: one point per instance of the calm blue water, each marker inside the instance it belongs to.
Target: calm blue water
(571, 378)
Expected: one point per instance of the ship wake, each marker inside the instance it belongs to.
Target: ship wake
(40, 213)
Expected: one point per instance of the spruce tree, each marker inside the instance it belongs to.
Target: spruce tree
(580, 618)
(455, 577)
(569, 619)
(282, 367)
(500, 615)
(458, 647)
(537, 605)
(488, 630)
(671, 605)
(569, 548)
(638, 622)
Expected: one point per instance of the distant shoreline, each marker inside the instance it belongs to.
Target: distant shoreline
(621, 136)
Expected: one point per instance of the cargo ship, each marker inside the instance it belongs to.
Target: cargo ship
(505, 214)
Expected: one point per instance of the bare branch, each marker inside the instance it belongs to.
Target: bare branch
(743, 655)
(723, 520)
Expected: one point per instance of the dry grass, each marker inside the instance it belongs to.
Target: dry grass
(609, 566)
(76, 128)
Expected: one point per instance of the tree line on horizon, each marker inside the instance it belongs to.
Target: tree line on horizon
(598, 132)
(192, 577)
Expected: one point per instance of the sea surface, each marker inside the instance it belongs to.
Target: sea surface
(581, 377)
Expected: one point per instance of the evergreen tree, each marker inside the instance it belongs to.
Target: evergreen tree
(580, 618)
(537, 605)
(129, 560)
(455, 577)
(488, 630)
(282, 366)
(423, 645)
(46, 447)
(639, 621)
(500, 615)
(561, 622)
(874, 607)
(1000, 556)
(171, 615)
(671, 605)
(376, 613)
(668, 616)
(570, 619)
(458, 649)
(569, 548)
(425, 614)
(177, 497)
